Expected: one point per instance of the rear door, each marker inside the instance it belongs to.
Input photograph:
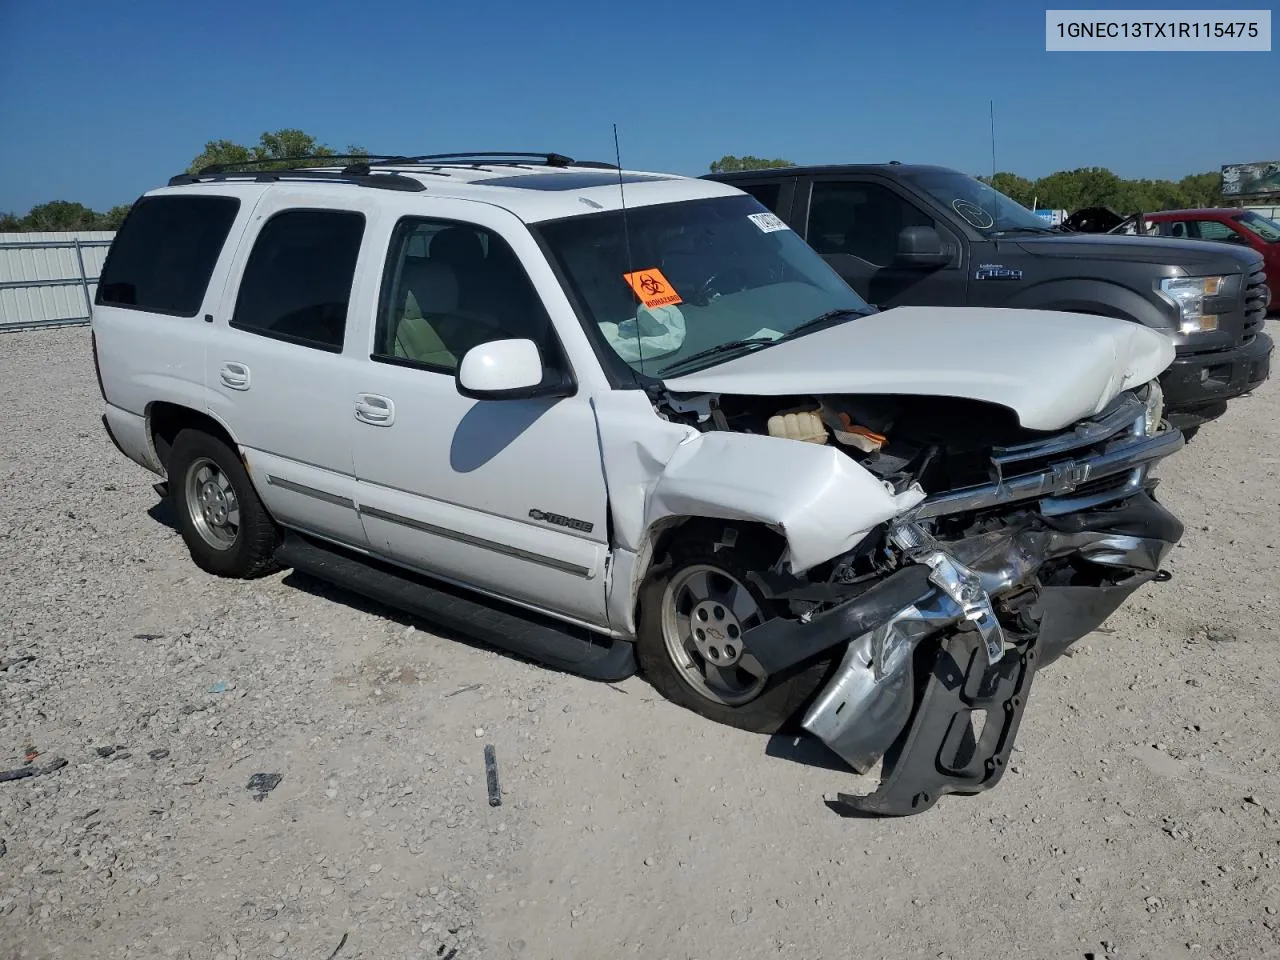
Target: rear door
(854, 222)
(279, 365)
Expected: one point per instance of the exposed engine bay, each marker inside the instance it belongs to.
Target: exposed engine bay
(1025, 542)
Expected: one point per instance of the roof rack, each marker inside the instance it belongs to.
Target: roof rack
(382, 181)
(358, 168)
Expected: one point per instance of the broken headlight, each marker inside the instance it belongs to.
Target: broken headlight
(1155, 408)
(1189, 295)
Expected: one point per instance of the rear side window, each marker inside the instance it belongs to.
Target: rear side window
(767, 193)
(297, 282)
(165, 252)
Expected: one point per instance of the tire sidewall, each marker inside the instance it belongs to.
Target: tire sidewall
(242, 557)
(775, 709)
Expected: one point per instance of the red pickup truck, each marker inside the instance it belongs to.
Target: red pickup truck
(1228, 225)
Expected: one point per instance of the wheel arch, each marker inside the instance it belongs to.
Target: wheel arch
(165, 420)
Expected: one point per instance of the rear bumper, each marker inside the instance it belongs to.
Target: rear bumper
(1197, 385)
(128, 432)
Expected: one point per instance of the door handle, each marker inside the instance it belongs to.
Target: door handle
(235, 376)
(375, 410)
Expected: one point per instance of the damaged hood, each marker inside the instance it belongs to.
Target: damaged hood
(1051, 369)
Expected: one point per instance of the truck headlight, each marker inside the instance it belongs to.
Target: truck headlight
(1189, 294)
(1155, 408)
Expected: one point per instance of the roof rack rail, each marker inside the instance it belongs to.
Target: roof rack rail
(382, 181)
(330, 159)
(496, 158)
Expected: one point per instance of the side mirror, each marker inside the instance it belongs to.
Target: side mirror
(509, 370)
(921, 247)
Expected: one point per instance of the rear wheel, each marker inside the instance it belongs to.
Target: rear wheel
(694, 611)
(223, 523)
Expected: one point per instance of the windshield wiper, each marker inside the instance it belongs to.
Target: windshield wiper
(823, 319)
(732, 346)
(999, 233)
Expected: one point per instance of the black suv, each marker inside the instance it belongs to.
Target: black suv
(908, 234)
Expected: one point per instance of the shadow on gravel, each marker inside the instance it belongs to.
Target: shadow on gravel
(355, 601)
(162, 514)
(805, 750)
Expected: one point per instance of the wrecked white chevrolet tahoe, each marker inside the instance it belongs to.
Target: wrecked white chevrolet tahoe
(613, 420)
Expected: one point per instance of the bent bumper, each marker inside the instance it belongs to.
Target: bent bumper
(869, 710)
(1197, 385)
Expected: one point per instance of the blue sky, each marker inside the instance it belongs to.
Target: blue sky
(101, 101)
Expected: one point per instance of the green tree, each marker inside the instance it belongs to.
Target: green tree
(60, 215)
(281, 145)
(10, 223)
(112, 219)
(1201, 190)
(1013, 186)
(730, 163)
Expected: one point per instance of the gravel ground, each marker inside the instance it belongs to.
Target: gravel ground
(1141, 817)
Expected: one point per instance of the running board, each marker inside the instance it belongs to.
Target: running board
(539, 638)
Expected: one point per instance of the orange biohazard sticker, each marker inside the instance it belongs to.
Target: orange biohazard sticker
(653, 289)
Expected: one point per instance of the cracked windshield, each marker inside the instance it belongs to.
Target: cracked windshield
(706, 280)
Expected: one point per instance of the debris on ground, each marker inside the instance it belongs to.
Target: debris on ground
(158, 754)
(467, 689)
(14, 661)
(491, 775)
(263, 783)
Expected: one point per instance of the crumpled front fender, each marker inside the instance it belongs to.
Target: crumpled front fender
(818, 498)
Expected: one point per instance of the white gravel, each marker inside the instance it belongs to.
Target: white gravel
(1141, 818)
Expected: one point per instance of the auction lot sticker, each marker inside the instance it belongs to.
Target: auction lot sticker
(1164, 31)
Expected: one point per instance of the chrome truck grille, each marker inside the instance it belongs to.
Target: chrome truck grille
(1098, 461)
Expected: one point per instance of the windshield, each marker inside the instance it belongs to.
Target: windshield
(986, 210)
(693, 276)
(1267, 229)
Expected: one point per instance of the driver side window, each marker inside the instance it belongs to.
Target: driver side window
(860, 219)
(448, 287)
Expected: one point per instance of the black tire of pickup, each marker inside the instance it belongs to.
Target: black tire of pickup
(778, 704)
(250, 552)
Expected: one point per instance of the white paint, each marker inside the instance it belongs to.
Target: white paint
(1050, 368)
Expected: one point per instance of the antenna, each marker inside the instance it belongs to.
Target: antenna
(991, 107)
(626, 239)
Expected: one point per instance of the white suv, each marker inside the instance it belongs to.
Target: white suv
(602, 418)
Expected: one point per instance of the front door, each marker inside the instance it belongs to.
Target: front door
(854, 223)
(507, 497)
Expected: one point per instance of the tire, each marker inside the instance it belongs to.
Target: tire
(778, 699)
(244, 546)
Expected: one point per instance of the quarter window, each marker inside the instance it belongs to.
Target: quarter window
(165, 252)
(452, 286)
(297, 282)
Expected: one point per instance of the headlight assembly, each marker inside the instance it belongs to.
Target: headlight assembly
(1189, 293)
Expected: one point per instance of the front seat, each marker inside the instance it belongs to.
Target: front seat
(429, 298)
(461, 249)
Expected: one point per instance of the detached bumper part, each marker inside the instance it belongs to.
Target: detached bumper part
(928, 734)
(866, 707)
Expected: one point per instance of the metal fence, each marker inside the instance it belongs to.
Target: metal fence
(49, 279)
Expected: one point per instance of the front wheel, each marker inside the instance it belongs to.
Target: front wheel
(694, 611)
